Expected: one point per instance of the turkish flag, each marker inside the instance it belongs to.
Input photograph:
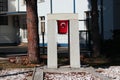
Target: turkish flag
(62, 26)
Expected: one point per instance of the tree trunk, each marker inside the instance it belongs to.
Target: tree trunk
(32, 27)
(95, 29)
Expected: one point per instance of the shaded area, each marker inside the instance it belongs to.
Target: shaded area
(12, 50)
(110, 56)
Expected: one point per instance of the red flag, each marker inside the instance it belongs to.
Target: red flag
(62, 26)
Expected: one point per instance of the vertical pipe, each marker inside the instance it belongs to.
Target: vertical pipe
(74, 9)
(18, 6)
(43, 32)
(51, 8)
(69, 41)
(43, 45)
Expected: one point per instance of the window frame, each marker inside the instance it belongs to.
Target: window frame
(3, 5)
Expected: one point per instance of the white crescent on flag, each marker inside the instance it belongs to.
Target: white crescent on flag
(63, 24)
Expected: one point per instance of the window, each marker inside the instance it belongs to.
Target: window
(3, 5)
(3, 8)
(3, 20)
(40, 1)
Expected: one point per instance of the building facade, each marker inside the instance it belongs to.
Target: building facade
(13, 18)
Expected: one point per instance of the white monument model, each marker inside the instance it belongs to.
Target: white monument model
(52, 31)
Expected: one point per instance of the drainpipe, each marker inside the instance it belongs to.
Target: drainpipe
(74, 9)
(18, 6)
(51, 8)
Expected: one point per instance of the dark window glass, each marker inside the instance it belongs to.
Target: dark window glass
(3, 5)
(3, 8)
(3, 20)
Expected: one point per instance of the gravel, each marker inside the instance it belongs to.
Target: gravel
(70, 76)
(15, 74)
(112, 73)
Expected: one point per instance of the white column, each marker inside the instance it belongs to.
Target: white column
(74, 44)
(52, 44)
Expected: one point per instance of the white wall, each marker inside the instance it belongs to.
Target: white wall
(22, 5)
(44, 8)
(64, 6)
(81, 7)
(11, 5)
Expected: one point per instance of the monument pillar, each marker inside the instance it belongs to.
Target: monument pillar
(73, 39)
(74, 44)
(52, 44)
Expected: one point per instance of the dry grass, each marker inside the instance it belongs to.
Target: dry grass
(16, 62)
(7, 64)
(22, 62)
